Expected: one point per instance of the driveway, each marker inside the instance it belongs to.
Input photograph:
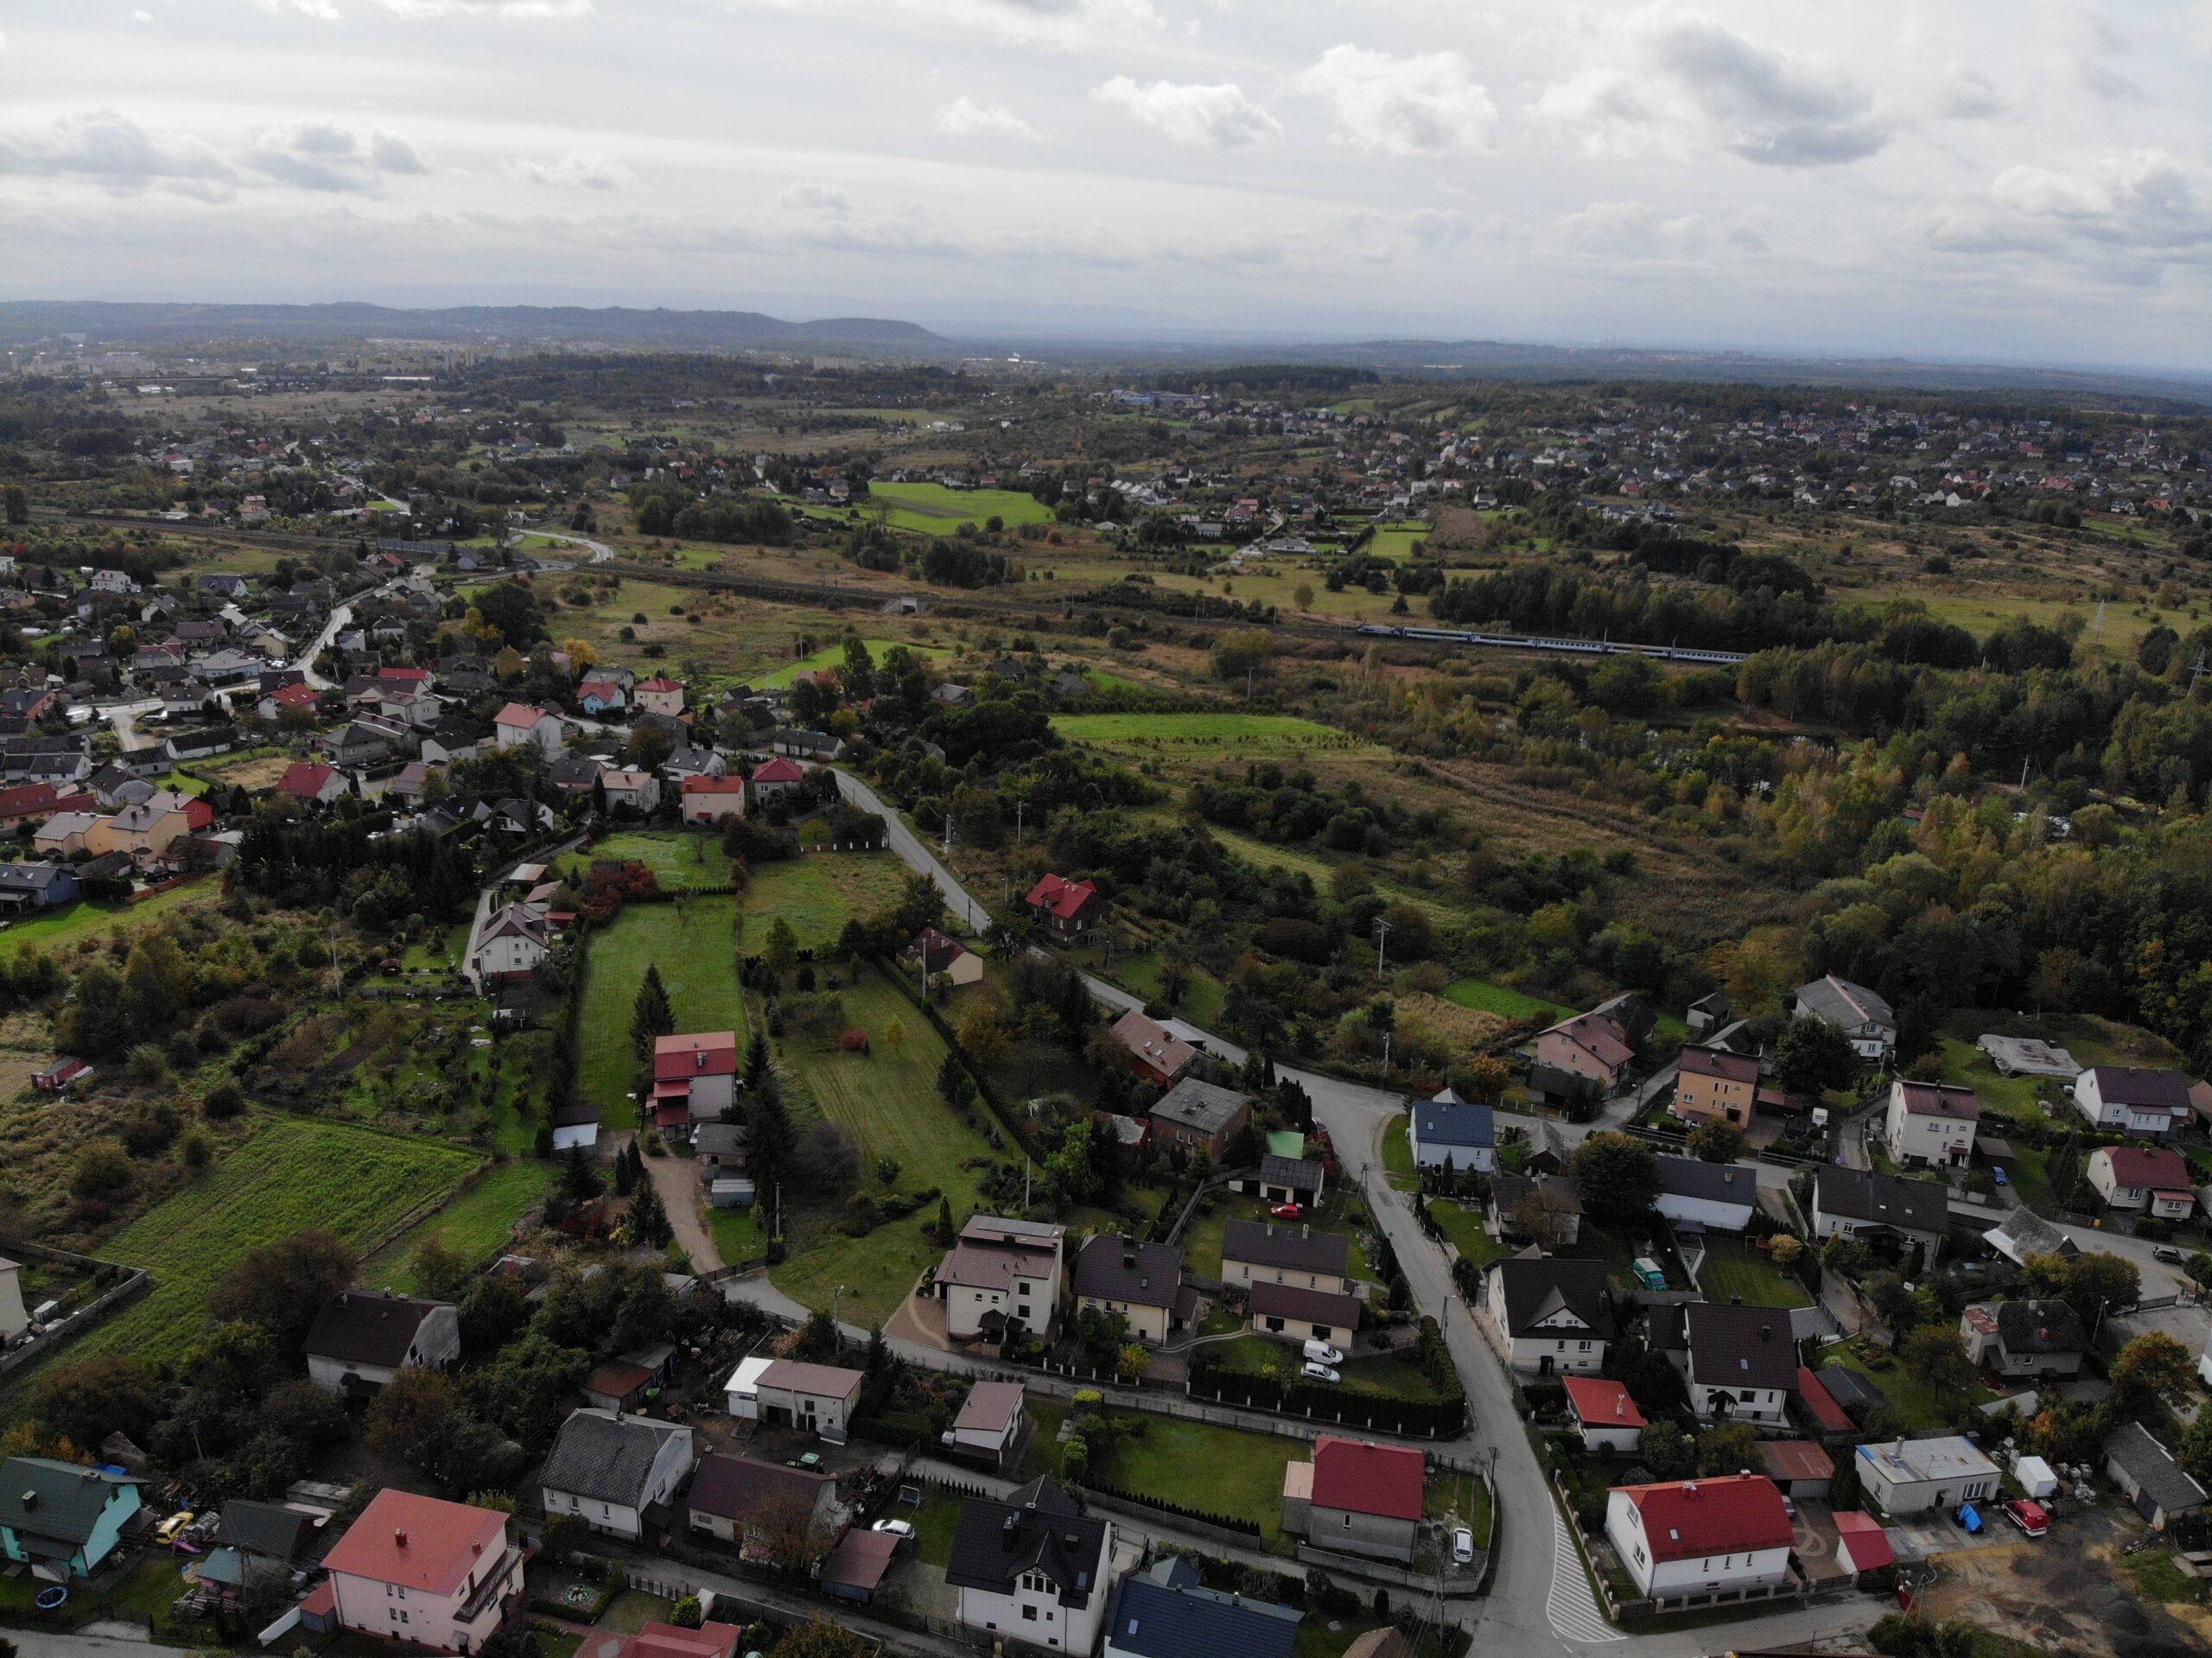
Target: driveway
(676, 1179)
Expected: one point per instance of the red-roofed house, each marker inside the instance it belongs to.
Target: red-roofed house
(288, 699)
(1862, 1544)
(310, 783)
(710, 1640)
(710, 800)
(1612, 1424)
(661, 695)
(33, 802)
(2143, 1177)
(434, 1574)
(1702, 1536)
(775, 777)
(1356, 1496)
(1068, 909)
(695, 1079)
(1589, 1044)
(1818, 1404)
(404, 675)
(519, 722)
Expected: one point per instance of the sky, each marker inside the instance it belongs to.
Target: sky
(2018, 181)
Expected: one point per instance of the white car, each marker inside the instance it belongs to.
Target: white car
(1317, 1371)
(896, 1527)
(1463, 1546)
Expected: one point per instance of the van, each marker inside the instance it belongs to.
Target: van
(1322, 1353)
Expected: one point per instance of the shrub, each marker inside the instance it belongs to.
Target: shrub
(852, 1040)
(224, 1101)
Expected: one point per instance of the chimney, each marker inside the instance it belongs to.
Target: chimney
(399, 1540)
(476, 1547)
(1690, 1488)
(30, 1501)
(1766, 1332)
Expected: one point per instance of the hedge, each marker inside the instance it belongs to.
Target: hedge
(1226, 1521)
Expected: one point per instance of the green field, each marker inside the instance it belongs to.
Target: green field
(71, 922)
(1214, 1470)
(1463, 1226)
(888, 1100)
(677, 857)
(291, 1175)
(1203, 1000)
(1487, 998)
(833, 655)
(1732, 1270)
(1397, 540)
(819, 893)
(1249, 735)
(475, 1226)
(697, 953)
(933, 509)
(1915, 1400)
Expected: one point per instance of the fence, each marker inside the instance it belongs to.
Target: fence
(135, 1282)
(1016, 1130)
(1617, 1607)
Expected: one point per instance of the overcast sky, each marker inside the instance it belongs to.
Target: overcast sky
(2023, 180)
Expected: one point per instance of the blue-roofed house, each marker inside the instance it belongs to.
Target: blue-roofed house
(1464, 1136)
(1163, 1612)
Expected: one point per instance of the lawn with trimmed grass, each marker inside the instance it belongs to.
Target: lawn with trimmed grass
(832, 657)
(933, 509)
(1733, 1271)
(1375, 1376)
(475, 1226)
(1486, 998)
(1915, 1400)
(1398, 1153)
(67, 924)
(694, 947)
(1213, 1469)
(1203, 998)
(1462, 1226)
(818, 895)
(1201, 1239)
(290, 1175)
(936, 1522)
(677, 857)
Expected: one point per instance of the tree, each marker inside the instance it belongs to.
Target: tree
(647, 1221)
(1716, 1141)
(770, 1137)
(894, 1032)
(1132, 1360)
(2092, 1283)
(1617, 1177)
(1547, 1214)
(1812, 1056)
(783, 1527)
(86, 1401)
(442, 1271)
(1245, 651)
(1934, 1354)
(780, 949)
(156, 984)
(823, 1639)
(2154, 1367)
(650, 1016)
(1666, 1451)
(18, 505)
(283, 1285)
(407, 1418)
(945, 1230)
(1728, 1448)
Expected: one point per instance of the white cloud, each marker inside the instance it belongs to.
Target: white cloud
(578, 170)
(113, 151)
(322, 155)
(1625, 230)
(1437, 231)
(322, 10)
(1196, 117)
(141, 17)
(2143, 198)
(964, 117)
(1053, 25)
(1422, 104)
(390, 153)
(416, 9)
(822, 200)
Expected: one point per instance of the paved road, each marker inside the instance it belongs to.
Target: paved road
(601, 552)
(42, 1643)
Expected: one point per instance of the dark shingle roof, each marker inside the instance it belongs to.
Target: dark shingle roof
(1440, 1123)
(269, 1528)
(66, 1500)
(1862, 1195)
(1741, 1347)
(1716, 1183)
(1038, 1529)
(368, 1327)
(1162, 1611)
(1297, 1248)
(738, 1487)
(1201, 1106)
(2153, 1469)
(1121, 1269)
(1299, 1173)
(1535, 1289)
(606, 1457)
(2039, 1327)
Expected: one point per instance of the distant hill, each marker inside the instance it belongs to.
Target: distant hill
(576, 325)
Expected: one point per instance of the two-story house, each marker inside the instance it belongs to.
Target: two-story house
(1199, 1116)
(1033, 1569)
(618, 1473)
(1067, 909)
(1553, 1315)
(420, 1572)
(1716, 1085)
(2134, 1099)
(1141, 1281)
(362, 1338)
(59, 1519)
(2153, 1178)
(1450, 1135)
(999, 1273)
(2037, 1338)
(1861, 1015)
(1702, 1536)
(1931, 1123)
(1741, 1362)
(1716, 1196)
(1273, 1251)
(695, 1079)
(1862, 1205)
(1592, 1045)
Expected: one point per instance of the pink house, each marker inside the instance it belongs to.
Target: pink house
(434, 1574)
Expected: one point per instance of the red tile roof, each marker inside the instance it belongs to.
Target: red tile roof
(1941, 1100)
(1362, 1477)
(705, 1053)
(696, 785)
(305, 779)
(1794, 1459)
(2159, 1167)
(293, 696)
(1865, 1538)
(1061, 897)
(418, 1542)
(411, 676)
(1722, 1062)
(1687, 1519)
(660, 682)
(1820, 1404)
(1600, 1403)
(779, 770)
(519, 714)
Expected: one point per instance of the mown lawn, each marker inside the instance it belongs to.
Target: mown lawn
(1732, 1270)
(475, 1225)
(677, 857)
(1381, 1376)
(290, 1176)
(65, 925)
(1213, 1469)
(1915, 1400)
(695, 949)
(1203, 998)
(833, 656)
(1201, 1239)
(888, 1101)
(1398, 1152)
(1486, 998)
(1463, 1226)
(933, 509)
(818, 895)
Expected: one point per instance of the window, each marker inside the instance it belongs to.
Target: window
(1029, 1614)
(1347, 1522)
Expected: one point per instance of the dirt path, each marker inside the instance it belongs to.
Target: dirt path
(677, 1179)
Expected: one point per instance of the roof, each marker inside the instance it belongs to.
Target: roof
(779, 770)
(659, 682)
(1441, 1124)
(618, 1378)
(1910, 1461)
(1299, 1173)
(1315, 1306)
(1881, 1199)
(1038, 1529)
(269, 1528)
(65, 1499)
(1850, 1388)
(1153, 1042)
(2039, 1327)
(1820, 1404)
(417, 1542)
(1205, 1107)
(305, 779)
(991, 1254)
(1359, 1477)
(518, 714)
(1841, 1002)
(2140, 1085)
(989, 1406)
(1064, 898)
(1164, 1612)
(824, 1381)
(1688, 1518)
(606, 1456)
(2159, 1167)
(1712, 1183)
(1509, 1191)
(737, 1487)
(1868, 1541)
(1598, 1034)
(939, 951)
(1599, 1402)
(860, 1560)
(1794, 1459)
(700, 784)
(1721, 1062)
(1296, 1248)
(1123, 1269)
(368, 1326)
(699, 1053)
(1534, 1289)
(2153, 1468)
(1741, 1347)
(1939, 1100)
(2024, 1233)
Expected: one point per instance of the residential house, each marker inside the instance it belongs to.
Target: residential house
(1592, 1045)
(999, 1271)
(719, 1149)
(818, 746)
(990, 1425)
(61, 1519)
(63, 835)
(1859, 1204)
(1708, 1197)
(1282, 1179)
(1552, 1315)
(779, 776)
(457, 737)
(1356, 1497)
(630, 791)
(707, 800)
(818, 1397)
(1155, 1052)
(300, 700)
(1853, 1009)
(36, 802)
(515, 938)
(1452, 1136)
(689, 760)
(941, 956)
(618, 1473)
(1163, 1610)
(1931, 1124)
(1200, 1116)
(729, 1494)
(1716, 1085)
(695, 1079)
(1272, 1252)
(2034, 1337)
(661, 695)
(1143, 1282)
(1068, 909)
(311, 784)
(2153, 1178)
(2023, 1233)
(1906, 1476)
(520, 722)
(1033, 1569)
(2147, 1473)
(147, 830)
(1709, 1013)
(424, 1572)
(1540, 1209)
(597, 696)
(362, 1338)
(1612, 1424)
(954, 697)
(1702, 1536)
(1303, 1314)
(1741, 1362)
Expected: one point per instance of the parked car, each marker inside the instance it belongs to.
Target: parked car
(1322, 1353)
(1286, 1211)
(2168, 1254)
(1463, 1546)
(1317, 1371)
(901, 1529)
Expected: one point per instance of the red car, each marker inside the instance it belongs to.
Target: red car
(1287, 1212)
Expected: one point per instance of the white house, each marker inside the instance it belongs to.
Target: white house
(2134, 1099)
(1915, 1476)
(618, 1474)
(818, 1397)
(520, 722)
(1741, 1362)
(362, 1338)
(422, 1572)
(1610, 1423)
(1860, 1203)
(1931, 1123)
(515, 939)
(713, 799)
(1033, 1569)
(633, 791)
(989, 1427)
(2152, 1178)
(1702, 1536)
(1445, 1131)
(1853, 1009)
(1001, 1270)
(1554, 1316)
(1716, 1196)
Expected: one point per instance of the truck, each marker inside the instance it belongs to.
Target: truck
(2030, 1516)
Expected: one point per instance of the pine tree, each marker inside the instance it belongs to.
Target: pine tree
(625, 1173)
(651, 1017)
(945, 1222)
(756, 1059)
(578, 1178)
(649, 1222)
(769, 1135)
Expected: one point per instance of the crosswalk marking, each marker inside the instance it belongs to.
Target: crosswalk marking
(1571, 1607)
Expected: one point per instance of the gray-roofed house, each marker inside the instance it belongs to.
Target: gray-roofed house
(1272, 1252)
(618, 1473)
(1859, 1204)
(2024, 1338)
(1143, 1282)
(1859, 1013)
(729, 1492)
(1193, 1114)
(1032, 1568)
(1304, 1315)
(362, 1338)
(36, 886)
(1741, 1362)
(2024, 1233)
(1285, 1179)
(1162, 1610)
(2134, 1099)
(1555, 1315)
(1710, 1196)
(269, 1529)
(61, 1519)
(1448, 1133)
(2153, 1481)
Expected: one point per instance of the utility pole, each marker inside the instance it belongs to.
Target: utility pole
(1381, 937)
(836, 1300)
(1018, 807)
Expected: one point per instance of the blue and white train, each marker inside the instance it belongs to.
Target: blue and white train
(1572, 647)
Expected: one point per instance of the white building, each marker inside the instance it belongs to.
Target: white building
(1702, 1536)
(2149, 1178)
(1034, 1569)
(990, 1424)
(1915, 1476)
(1931, 1123)
(1001, 1270)
(362, 1338)
(2134, 1099)
(515, 939)
(618, 1474)
(427, 1573)
(1741, 1362)
(1555, 1316)
(1853, 1009)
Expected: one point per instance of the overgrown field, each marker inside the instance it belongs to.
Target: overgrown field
(933, 509)
(473, 1226)
(833, 656)
(1244, 736)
